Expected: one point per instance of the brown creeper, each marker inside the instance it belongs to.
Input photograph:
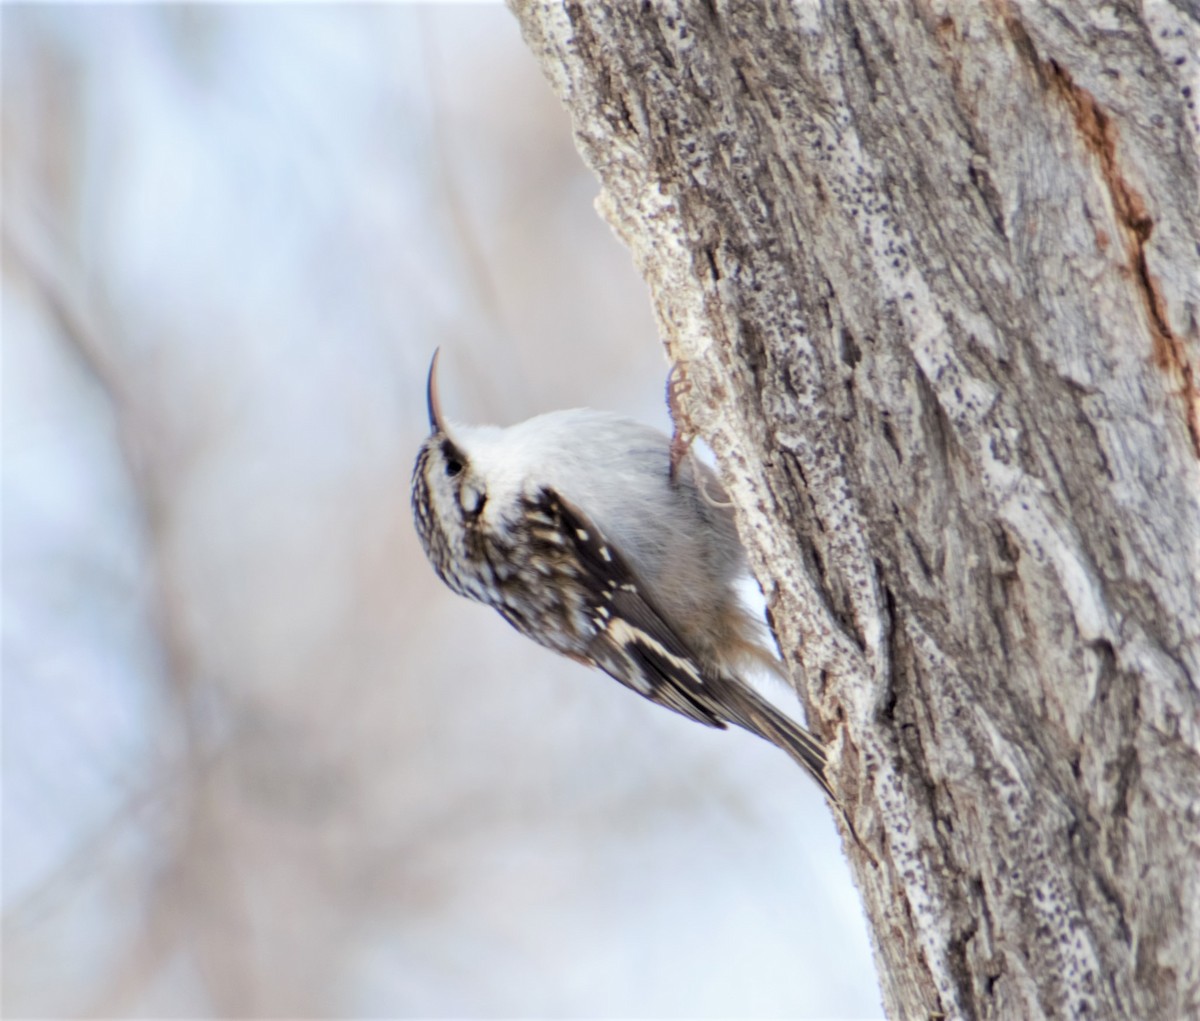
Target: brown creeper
(572, 526)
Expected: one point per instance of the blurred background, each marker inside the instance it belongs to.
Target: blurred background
(257, 760)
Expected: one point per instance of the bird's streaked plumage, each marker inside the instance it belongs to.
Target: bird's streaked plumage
(572, 527)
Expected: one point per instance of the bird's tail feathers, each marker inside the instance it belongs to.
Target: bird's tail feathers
(756, 714)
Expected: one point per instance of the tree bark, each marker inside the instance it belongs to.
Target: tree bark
(930, 274)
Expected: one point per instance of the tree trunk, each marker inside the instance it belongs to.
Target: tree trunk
(930, 274)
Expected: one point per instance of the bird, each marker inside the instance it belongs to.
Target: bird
(582, 531)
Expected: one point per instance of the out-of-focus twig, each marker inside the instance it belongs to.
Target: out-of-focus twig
(32, 246)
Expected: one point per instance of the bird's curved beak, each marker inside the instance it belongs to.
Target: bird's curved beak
(437, 424)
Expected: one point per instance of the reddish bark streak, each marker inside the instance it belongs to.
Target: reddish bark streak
(1100, 134)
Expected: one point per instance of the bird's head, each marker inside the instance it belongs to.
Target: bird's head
(448, 494)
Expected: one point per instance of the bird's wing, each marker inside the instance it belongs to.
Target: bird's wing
(632, 642)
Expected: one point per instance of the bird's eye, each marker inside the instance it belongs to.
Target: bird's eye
(452, 458)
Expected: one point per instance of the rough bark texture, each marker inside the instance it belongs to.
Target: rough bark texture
(931, 274)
